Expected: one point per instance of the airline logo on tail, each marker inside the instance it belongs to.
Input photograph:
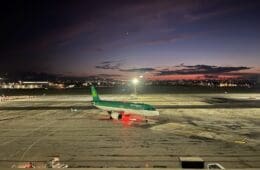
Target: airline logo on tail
(94, 94)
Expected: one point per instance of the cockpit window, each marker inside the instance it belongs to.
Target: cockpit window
(151, 108)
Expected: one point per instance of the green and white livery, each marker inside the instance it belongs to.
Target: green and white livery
(117, 109)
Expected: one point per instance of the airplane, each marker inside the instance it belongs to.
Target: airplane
(125, 111)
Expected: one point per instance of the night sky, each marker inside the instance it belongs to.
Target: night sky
(161, 39)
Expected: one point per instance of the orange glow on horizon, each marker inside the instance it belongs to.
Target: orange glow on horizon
(193, 77)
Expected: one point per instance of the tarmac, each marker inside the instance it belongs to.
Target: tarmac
(221, 128)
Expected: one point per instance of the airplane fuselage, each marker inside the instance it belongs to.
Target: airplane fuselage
(126, 107)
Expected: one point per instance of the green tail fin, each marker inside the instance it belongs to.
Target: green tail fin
(94, 94)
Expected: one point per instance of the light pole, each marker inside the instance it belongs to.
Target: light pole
(135, 82)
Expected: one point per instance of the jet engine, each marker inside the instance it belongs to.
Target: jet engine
(126, 117)
(116, 115)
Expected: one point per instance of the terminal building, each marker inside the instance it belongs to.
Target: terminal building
(25, 85)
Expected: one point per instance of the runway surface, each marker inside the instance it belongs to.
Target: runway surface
(223, 128)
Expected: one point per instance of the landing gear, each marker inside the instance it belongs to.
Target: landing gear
(120, 116)
(110, 112)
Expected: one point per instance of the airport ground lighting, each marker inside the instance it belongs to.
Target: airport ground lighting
(135, 81)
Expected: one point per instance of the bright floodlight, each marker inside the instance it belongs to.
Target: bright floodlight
(135, 81)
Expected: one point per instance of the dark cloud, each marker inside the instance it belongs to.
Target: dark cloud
(201, 69)
(109, 65)
(141, 70)
(116, 65)
(108, 75)
(108, 62)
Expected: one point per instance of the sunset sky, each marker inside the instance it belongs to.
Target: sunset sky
(159, 39)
